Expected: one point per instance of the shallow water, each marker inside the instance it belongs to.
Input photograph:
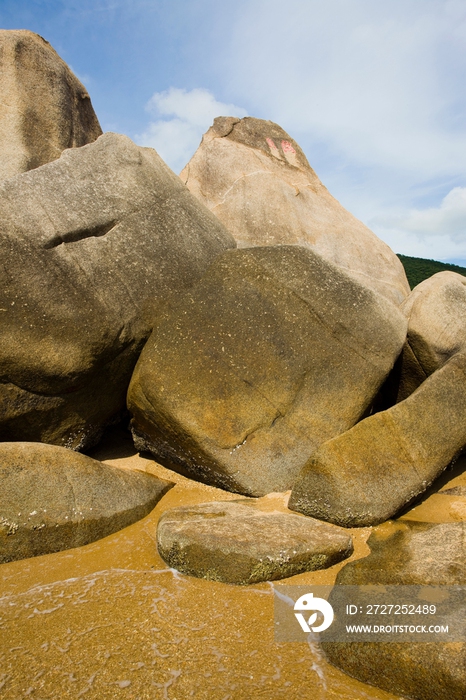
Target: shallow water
(110, 620)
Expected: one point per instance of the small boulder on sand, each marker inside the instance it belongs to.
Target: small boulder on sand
(53, 499)
(235, 542)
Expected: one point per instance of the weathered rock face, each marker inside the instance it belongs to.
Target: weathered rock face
(436, 311)
(53, 499)
(235, 542)
(257, 181)
(91, 246)
(408, 554)
(44, 107)
(384, 462)
(272, 353)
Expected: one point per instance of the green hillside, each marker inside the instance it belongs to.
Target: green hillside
(419, 269)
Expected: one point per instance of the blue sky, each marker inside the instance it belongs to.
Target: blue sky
(373, 92)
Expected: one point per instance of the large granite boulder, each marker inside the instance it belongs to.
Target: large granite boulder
(436, 311)
(44, 108)
(408, 554)
(236, 542)
(53, 499)
(273, 352)
(386, 461)
(258, 182)
(92, 245)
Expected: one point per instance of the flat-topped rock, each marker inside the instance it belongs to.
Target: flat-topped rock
(258, 182)
(367, 474)
(44, 108)
(235, 542)
(273, 352)
(408, 554)
(53, 499)
(92, 246)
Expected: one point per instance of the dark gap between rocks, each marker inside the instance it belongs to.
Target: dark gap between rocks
(81, 234)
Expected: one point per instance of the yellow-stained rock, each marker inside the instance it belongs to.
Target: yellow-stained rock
(384, 462)
(273, 352)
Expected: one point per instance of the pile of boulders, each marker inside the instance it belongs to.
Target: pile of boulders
(262, 338)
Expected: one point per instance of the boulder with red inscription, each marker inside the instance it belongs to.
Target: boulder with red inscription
(258, 182)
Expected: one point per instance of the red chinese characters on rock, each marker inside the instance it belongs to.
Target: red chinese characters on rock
(287, 147)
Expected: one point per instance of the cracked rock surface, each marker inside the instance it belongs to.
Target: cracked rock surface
(235, 542)
(274, 351)
(258, 182)
(43, 109)
(92, 245)
(54, 499)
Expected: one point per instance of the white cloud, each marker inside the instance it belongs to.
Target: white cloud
(432, 232)
(448, 219)
(183, 117)
(435, 247)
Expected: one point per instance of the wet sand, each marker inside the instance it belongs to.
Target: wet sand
(111, 620)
